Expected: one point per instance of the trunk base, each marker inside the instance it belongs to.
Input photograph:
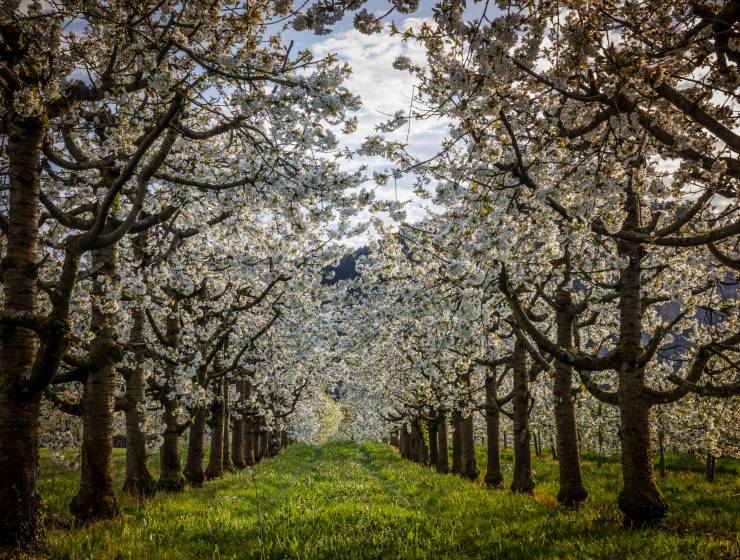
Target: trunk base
(525, 487)
(25, 534)
(572, 497)
(195, 478)
(494, 480)
(214, 473)
(87, 507)
(172, 482)
(144, 487)
(642, 508)
(470, 473)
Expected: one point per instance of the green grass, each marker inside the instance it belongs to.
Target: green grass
(362, 501)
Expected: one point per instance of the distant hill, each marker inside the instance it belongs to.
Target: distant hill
(346, 268)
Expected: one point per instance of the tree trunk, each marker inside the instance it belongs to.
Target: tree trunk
(661, 453)
(553, 449)
(640, 499)
(170, 472)
(227, 462)
(249, 442)
(395, 439)
(258, 441)
(494, 477)
(711, 466)
(237, 443)
(264, 446)
(404, 443)
(422, 443)
(600, 458)
(194, 473)
(522, 479)
(456, 443)
(572, 491)
(215, 468)
(433, 450)
(139, 479)
(20, 505)
(415, 444)
(237, 430)
(443, 459)
(95, 498)
(469, 464)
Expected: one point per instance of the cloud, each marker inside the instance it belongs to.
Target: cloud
(384, 91)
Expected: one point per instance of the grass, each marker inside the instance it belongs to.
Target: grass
(343, 500)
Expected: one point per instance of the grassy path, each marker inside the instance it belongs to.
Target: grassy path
(348, 501)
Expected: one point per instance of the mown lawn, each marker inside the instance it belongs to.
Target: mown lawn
(362, 501)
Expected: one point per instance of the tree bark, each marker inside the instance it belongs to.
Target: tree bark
(433, 451)
(469, 462)
(456, 443)
(258, 441)
(95, 498)
(215, 468)
(443, 459)
(404, 443)
(139, 479)
(711, 466)
(194, 473)
(237, 443)
(640, 500)
(227, 462)
(522, 479)
(494, 477)
(661, 453)
(572, 492)
(415, 445)
(264, 445)
(170, 471)
(20, 504)
(249, 442)
(237, 430)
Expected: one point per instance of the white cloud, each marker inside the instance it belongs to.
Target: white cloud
(384, 91)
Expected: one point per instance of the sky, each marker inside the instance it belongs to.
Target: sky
(384, 91)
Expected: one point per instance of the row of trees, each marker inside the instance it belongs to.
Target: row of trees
(169, 172)
(172, 191)
(584, 238)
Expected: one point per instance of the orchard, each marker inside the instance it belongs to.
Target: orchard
(211, 286)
